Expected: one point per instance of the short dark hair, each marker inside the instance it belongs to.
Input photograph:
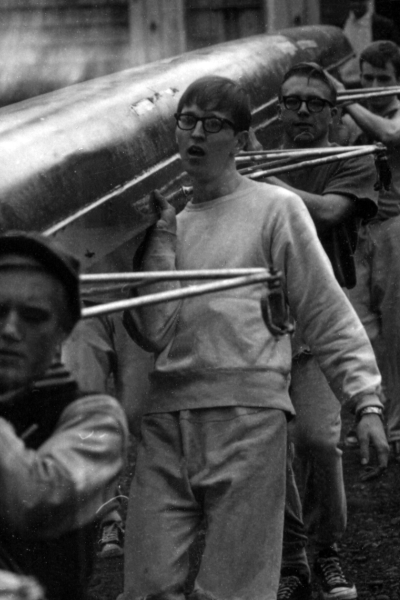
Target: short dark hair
(213, 92)
(381, 52)
(312, 71)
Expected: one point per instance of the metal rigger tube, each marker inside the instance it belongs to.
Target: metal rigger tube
(190, 291)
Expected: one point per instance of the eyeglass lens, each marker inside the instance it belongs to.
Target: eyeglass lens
(314, 104)
(210, 124)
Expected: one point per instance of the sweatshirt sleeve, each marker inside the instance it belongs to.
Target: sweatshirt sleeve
(152, 327)
(65, 482)
(325, 317)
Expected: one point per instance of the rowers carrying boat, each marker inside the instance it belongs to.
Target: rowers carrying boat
(80, 163)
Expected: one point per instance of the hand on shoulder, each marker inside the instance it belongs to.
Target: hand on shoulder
(167, 216)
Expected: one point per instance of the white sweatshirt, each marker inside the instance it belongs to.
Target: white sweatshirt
(215, 350)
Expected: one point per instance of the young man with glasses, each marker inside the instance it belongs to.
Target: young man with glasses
(213, 446)
(337, 195)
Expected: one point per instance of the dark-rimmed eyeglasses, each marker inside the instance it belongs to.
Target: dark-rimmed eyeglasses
(187, 122)
(313, 103)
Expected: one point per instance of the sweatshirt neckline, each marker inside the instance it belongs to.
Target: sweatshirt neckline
(243, 189)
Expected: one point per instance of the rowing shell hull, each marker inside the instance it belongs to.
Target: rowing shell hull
(80, 163)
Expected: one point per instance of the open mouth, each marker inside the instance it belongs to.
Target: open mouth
(196, 151)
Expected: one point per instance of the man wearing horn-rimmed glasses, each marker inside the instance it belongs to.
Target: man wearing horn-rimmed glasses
(338, 195)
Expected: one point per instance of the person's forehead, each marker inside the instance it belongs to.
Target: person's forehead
(197, 110)
(388, 69)
(306, 86)
(23, 279)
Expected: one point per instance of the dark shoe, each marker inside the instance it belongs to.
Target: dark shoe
(292, 587)
(111, 540)
(331, 577)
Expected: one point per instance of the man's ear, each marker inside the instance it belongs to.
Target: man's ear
(334, 112)
(279, 112)
(241, 141)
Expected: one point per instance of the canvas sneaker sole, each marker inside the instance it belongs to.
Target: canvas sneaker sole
(340, 593)
(110, 550)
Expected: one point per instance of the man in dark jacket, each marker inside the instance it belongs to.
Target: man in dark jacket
(61, 450)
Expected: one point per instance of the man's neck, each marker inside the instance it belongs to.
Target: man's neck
(205, 191)
(288, 144)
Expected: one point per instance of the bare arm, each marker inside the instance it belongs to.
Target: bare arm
(384, 130)
(326, 210)
(378, 128)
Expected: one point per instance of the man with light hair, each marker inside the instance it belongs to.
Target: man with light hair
(61, 449)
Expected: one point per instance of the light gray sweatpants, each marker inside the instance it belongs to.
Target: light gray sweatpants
(226, 465)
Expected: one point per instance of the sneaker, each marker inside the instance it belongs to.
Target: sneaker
(292, 587)
(111, 539)
(331, 577)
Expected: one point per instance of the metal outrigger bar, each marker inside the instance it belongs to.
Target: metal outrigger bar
(273, 306)
(256, 171)
(366, 93)
(298, 153)
(135, 278)
(107, 282)
(291, 162)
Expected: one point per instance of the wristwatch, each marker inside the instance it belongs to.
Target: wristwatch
(369, 410)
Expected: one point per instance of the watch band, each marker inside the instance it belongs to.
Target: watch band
(370, 410)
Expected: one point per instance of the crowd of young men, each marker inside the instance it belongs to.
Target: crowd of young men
(224, 390)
